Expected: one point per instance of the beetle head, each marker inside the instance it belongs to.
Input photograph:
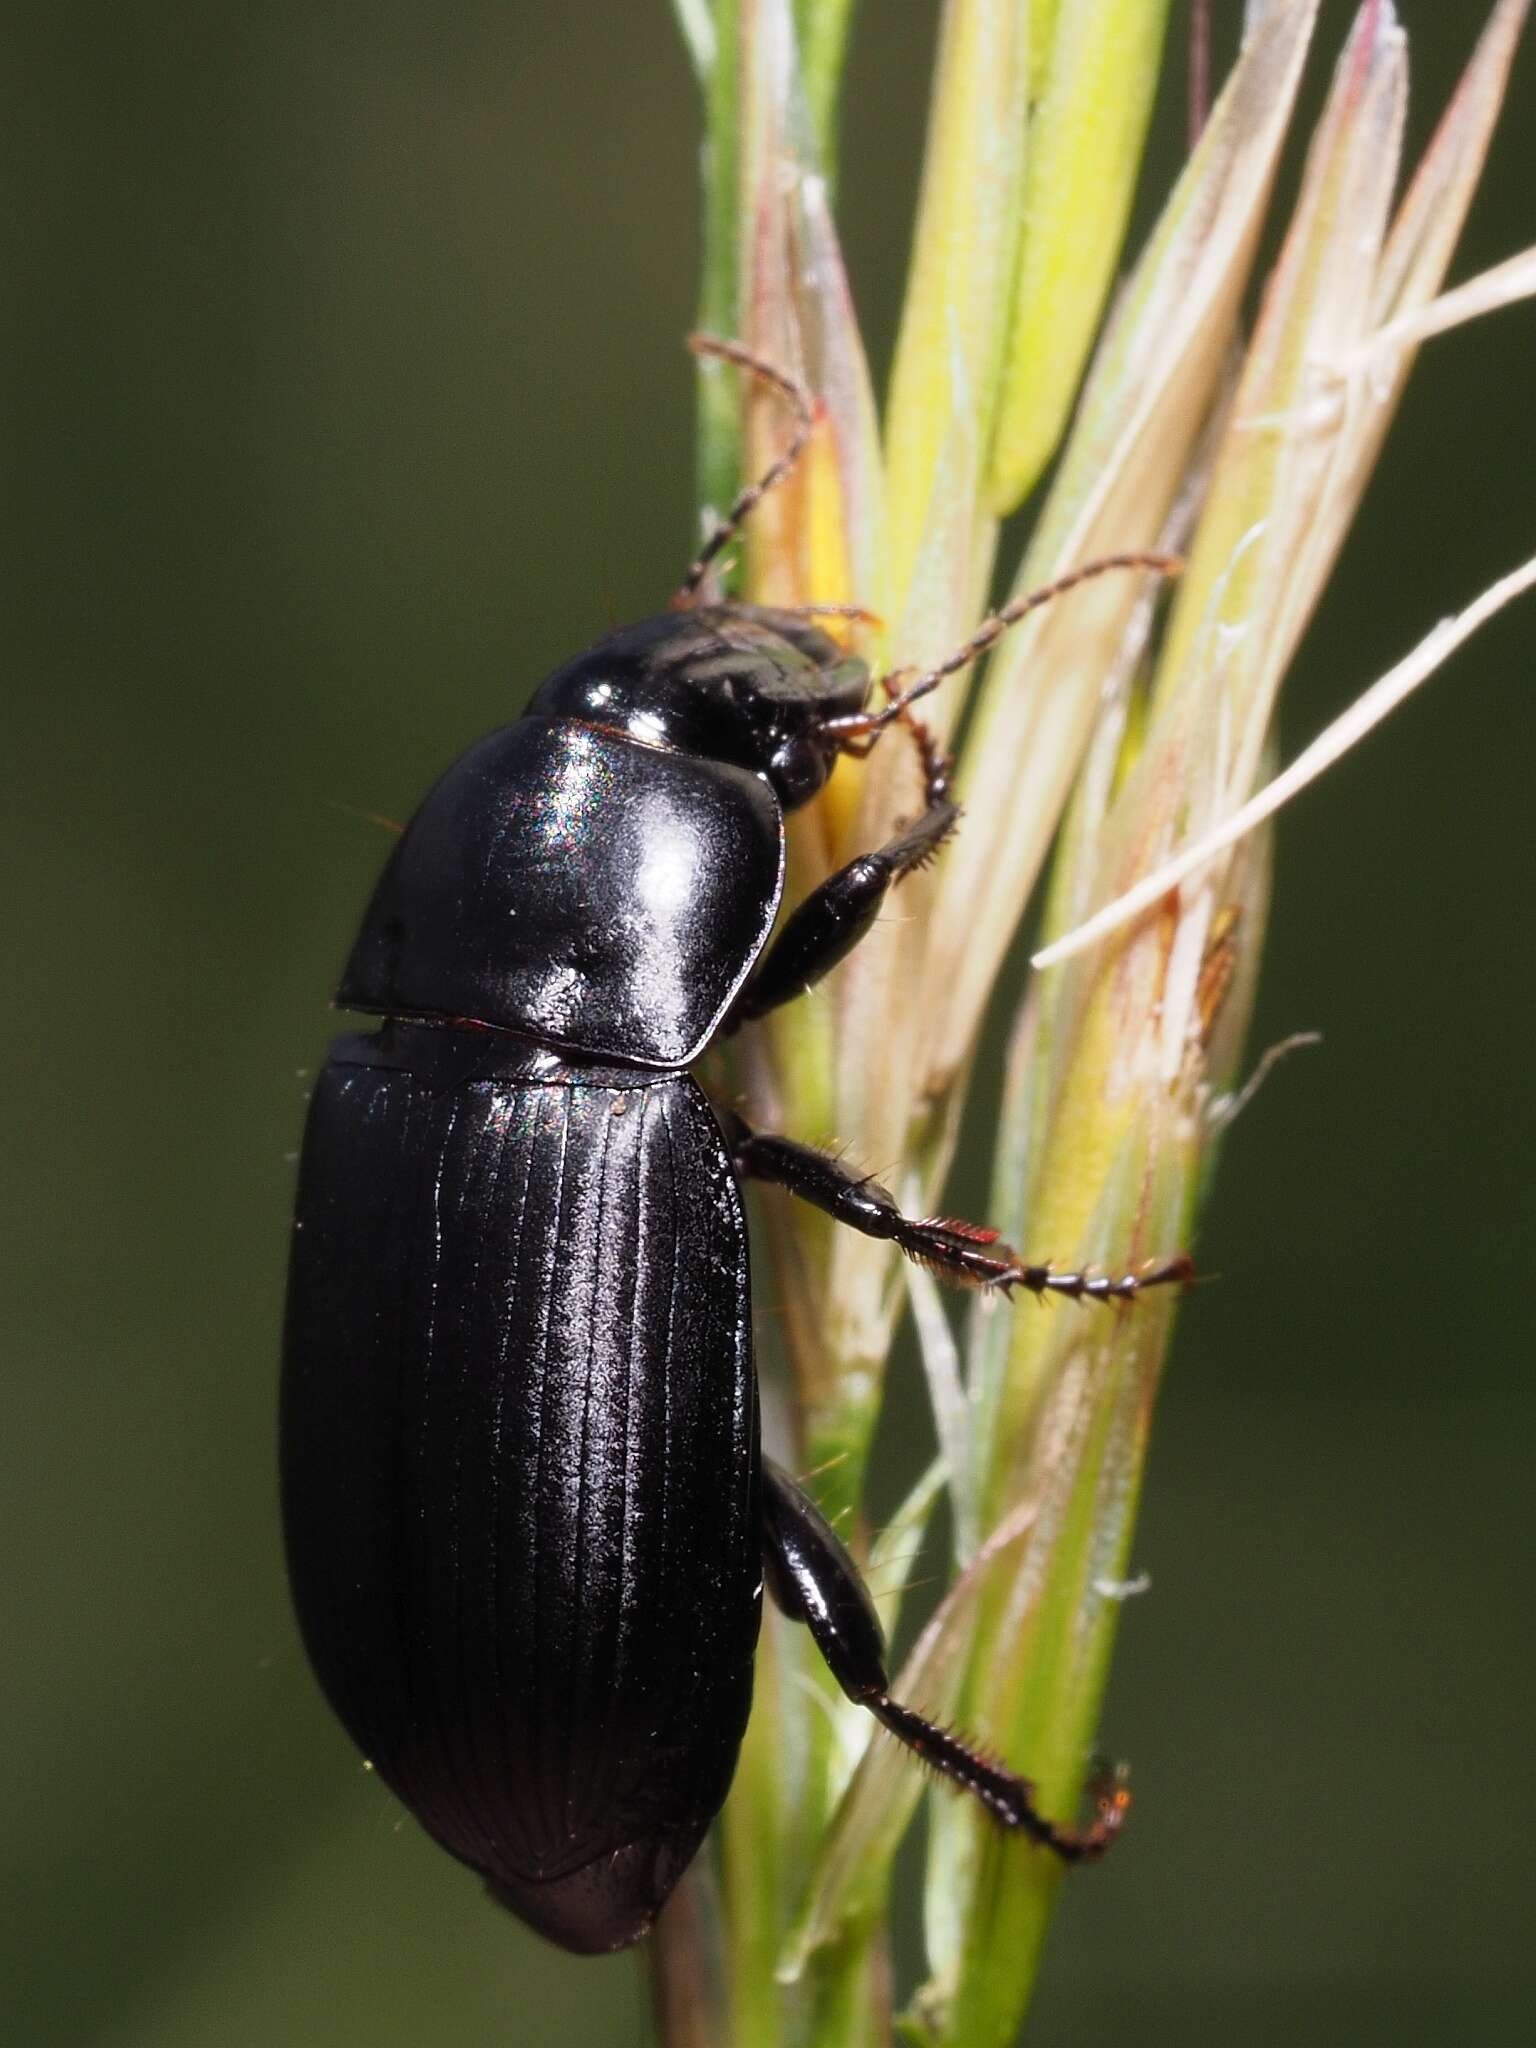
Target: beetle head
(735, 683)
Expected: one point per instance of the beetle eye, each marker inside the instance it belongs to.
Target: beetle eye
(797, 770)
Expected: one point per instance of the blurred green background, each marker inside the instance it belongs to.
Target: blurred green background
(345, 395)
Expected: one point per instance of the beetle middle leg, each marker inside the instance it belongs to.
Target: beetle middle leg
(965, 1253)
(813, 1579)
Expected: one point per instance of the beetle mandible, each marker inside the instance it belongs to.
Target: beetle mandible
(527, 1516)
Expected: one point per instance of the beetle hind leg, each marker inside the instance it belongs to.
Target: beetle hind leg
(813, 1579)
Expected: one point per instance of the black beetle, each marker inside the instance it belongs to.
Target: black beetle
(527, 1516)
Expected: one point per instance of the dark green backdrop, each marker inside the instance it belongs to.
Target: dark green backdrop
(346, 393)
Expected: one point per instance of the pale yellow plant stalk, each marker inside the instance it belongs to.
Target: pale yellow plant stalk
(1125, 729)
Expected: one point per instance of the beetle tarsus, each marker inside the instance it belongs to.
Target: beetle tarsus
(1106, 1288)
(1009, 1798)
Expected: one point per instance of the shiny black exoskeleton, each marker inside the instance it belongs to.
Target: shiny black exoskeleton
(527, 1515)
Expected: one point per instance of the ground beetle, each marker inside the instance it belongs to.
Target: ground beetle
(528, 1520)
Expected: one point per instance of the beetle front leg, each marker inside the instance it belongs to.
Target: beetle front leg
(964, 1253)
(826, 927)
(813, 1579)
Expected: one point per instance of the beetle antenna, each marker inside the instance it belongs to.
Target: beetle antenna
(860, 614)
(752, 495)
(866, 725)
